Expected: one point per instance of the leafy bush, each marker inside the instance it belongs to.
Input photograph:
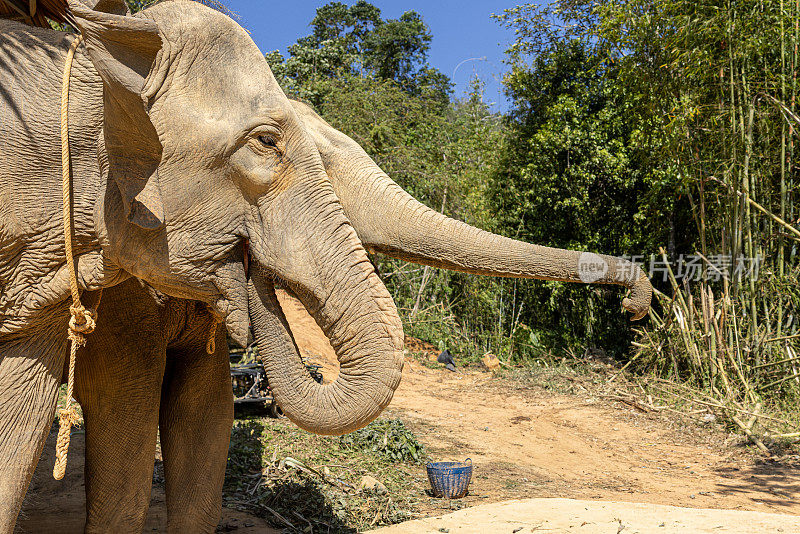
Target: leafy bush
(387, 437)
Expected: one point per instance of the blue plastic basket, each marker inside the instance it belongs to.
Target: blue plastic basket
(450, 479)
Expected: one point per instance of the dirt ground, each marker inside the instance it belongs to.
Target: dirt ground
(595, 517)
(525, 442)
(531, 443)
(58, 507)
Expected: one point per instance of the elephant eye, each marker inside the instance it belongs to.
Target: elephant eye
(268, 144)
(264, 140)
(268, 141)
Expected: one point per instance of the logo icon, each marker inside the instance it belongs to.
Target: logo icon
(591, 268)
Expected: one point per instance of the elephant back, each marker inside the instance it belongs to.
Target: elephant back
(41, 12)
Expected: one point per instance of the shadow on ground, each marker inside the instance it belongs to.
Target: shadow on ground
(256, 481)
(774, 477)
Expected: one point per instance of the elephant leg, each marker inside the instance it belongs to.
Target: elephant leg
(118, 383)
(196, 420)
(30, 374)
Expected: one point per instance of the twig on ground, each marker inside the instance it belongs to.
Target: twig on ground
(632, 402)
(746, 429)
(279, 517)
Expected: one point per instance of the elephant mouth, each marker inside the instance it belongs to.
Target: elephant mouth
(233, 304)
(279, 282)
(230, 305)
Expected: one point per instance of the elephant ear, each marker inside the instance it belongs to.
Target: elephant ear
(123, 49)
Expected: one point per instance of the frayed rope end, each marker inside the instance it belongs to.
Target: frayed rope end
(67, 418)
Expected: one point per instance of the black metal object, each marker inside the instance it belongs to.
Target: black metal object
(251, 391)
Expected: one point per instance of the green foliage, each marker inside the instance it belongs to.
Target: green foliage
(440, 153)
(337, 21)
(396, 48)
(633, 125)
(244, 456)
(712, 88)
(273, 466)
(387, 437)
(137, 5)
(354, 41)
(576, 172)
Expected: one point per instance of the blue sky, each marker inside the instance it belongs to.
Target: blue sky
(461, 30)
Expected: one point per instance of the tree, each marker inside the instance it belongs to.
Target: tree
(711, 89)
(576, 173)
(348, 41)
(137, 5)
(396, 49)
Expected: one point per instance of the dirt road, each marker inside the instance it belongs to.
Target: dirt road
(527, 442)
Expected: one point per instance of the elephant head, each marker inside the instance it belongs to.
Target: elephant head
(202, 152)
(389, 220)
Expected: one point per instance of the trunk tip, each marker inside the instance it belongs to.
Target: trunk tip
(638, 303)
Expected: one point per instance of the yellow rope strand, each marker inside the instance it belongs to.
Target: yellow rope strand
(82, 321)
(66, 185)
(211, 345)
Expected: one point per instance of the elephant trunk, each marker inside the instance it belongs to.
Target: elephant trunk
(390, 221)
(356, 313)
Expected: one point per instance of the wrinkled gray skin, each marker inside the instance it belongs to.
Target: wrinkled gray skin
(183, 146)
(136, 380)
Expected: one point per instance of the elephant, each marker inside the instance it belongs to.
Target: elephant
(183, 148)
(146, 370)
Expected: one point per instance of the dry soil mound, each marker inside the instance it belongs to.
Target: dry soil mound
(590, 517)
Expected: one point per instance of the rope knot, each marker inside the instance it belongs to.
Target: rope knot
(69, 417)
(82, 321)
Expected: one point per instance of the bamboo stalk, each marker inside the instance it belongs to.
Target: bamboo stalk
(796, 39)
(781, 338)
(749, 191)
(706, 260)
(732, 408)
(789, 435)
(781, 244)
(724, 375)
(774, 217)
(778, 382)
(773, 364)
(749, 433)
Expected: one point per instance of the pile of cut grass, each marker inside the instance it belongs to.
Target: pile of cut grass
(305, 482)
